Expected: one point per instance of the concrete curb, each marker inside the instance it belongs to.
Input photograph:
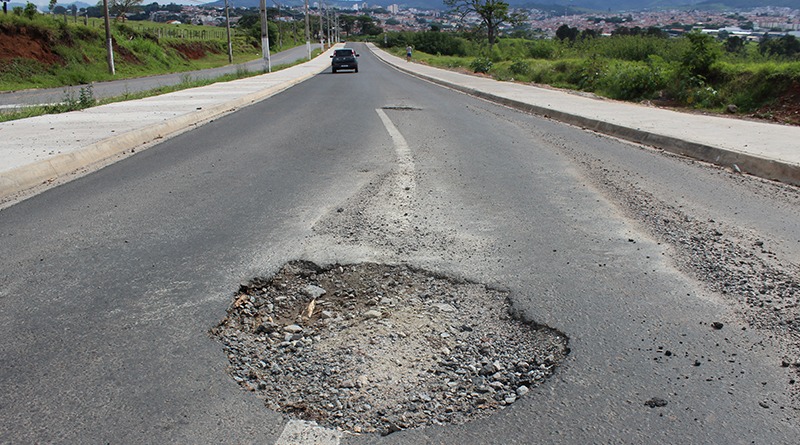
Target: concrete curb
(754, 165)
(25, 177)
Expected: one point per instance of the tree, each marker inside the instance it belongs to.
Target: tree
(492, 13)
(52, 5)
(703, 52)
(367, 26)
(347, 23)
(250, 25)
(589, 34)
(151, 8)
(734, 44)
(564, 32)
(95, 11)
(786, 46)
(30, 10)
(121, 8)
(654, 31)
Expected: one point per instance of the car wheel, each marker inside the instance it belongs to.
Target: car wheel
(356, 70)
(333, 70)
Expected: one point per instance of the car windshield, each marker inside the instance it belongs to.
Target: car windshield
(343, 52)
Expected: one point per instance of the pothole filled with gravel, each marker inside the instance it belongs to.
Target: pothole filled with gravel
(372, 348)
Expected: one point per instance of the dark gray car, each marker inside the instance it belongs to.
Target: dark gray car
(344, 59)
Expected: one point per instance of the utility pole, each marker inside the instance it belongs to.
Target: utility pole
(265, 36)
(109, 44)
(328, 28)
(228, 29)
(321, 29)
(280, 34)
(308, 33)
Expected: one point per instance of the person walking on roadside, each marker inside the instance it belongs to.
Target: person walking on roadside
(408, 53)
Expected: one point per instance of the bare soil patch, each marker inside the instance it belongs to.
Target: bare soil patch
(23, 44)
(193, 50)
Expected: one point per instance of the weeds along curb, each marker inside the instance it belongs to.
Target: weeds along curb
(746, 163)
(23, 178)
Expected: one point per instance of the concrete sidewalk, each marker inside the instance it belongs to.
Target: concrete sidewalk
(44, 149)
(50, 148)
(767, 150)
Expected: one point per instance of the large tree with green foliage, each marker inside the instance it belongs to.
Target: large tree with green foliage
(492, 13)
(121, 8)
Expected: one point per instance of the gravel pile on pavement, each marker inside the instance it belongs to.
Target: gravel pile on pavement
(729, 261)
(737, 264)
(372, 348)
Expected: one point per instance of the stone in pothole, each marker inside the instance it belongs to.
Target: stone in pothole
(373, 348)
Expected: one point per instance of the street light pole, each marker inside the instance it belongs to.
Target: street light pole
(265, 37)
(321, 29)
(308, 33)
(228, 29)
(109, 43)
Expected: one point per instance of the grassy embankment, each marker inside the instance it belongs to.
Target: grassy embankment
(694, 71)
(50, 52)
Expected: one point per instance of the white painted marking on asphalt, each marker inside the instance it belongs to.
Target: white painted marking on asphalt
(299, 432)
(405, 162)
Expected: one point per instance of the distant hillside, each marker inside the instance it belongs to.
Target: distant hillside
(559, 5)
(746, 4)
(42, 4)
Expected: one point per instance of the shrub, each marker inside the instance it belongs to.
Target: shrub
(627, 80)
(590, 73)
(541, 49)
(439, 43)
(751, 86)
(481, 65)
(520, 67)
(703, 52)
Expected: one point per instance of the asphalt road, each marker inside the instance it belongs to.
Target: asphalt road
(116, 88)
(110, 283)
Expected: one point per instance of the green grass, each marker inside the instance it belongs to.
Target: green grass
(140, 49)
(633, 68)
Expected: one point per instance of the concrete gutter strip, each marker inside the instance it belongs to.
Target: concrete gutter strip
(73, 141)
(761, 163)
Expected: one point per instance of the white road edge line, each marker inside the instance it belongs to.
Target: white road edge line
(299, 432)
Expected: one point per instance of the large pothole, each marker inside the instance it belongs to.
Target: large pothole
(371, 348)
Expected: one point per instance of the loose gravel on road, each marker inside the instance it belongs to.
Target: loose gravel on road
(372, 348)
(737, 264)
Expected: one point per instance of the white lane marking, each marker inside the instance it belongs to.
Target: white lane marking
(398, 198)
(299, 432)
(405, 177)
